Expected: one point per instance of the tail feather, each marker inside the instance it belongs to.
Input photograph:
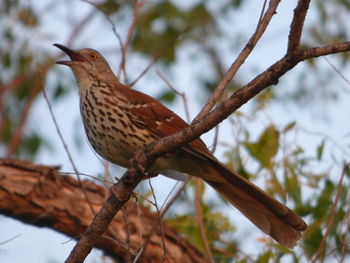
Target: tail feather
(267, 213)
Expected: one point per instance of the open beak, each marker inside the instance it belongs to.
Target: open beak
(74, 56)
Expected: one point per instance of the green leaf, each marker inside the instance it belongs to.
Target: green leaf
(263, 99)
(292, 184)
(265, 257)
(30, 145)
(187, 225)
(28, 17)
(289, 127)
(167, 96)
(266, 148)
(216, 225)
(235, 162)
(325, 200)
(347, 171)
(109, 6)
(199, 15)
(320, 150)
(59, 91)
(312, 239)
(159, 26)
(6, 60)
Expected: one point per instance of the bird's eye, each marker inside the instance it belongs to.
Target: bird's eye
(93, 56)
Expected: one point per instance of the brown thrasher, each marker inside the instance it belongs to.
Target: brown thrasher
(119, 121)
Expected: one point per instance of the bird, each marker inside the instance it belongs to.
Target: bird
(119, 121)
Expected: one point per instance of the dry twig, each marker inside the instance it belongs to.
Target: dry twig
(200, 220)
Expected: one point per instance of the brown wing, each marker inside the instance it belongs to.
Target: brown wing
(268, 214)
(160, 120)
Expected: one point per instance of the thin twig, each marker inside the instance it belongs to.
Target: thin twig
(114, 30)
(10, 239)
(167, 198)
(139, 216)
(337, 71)
(138, 255)
(199, 216)
(160, 221)
(248, 48)
(162, 214)
(181, 94)
(174, 198)
(158, 55)
(65, 145)
(137, 6)
(320, 249)
(127, 226)
(79, 27)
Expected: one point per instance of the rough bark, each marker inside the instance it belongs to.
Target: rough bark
(39, 195)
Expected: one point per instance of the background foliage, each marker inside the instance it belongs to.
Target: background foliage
(293, 139)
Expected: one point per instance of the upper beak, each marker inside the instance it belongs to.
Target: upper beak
(74, 56)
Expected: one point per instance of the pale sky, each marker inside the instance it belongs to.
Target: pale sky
(43, 245)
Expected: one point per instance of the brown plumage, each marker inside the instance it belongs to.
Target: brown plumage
(119, 121)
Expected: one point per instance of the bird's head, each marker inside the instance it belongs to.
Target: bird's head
(85, 61)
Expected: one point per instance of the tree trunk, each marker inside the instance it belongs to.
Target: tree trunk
(39, 195)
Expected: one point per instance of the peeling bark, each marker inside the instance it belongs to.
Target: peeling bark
(39, 195)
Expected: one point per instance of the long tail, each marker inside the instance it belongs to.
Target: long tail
(268, 214)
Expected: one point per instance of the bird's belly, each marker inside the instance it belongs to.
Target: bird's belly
(112, 140)
(110, 128)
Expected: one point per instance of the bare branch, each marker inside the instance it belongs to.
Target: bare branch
(296, 27)
(324, 51)
(237, 99)
(121, 193)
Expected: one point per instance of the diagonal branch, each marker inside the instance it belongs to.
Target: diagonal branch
(269, 77)
(143, 159)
